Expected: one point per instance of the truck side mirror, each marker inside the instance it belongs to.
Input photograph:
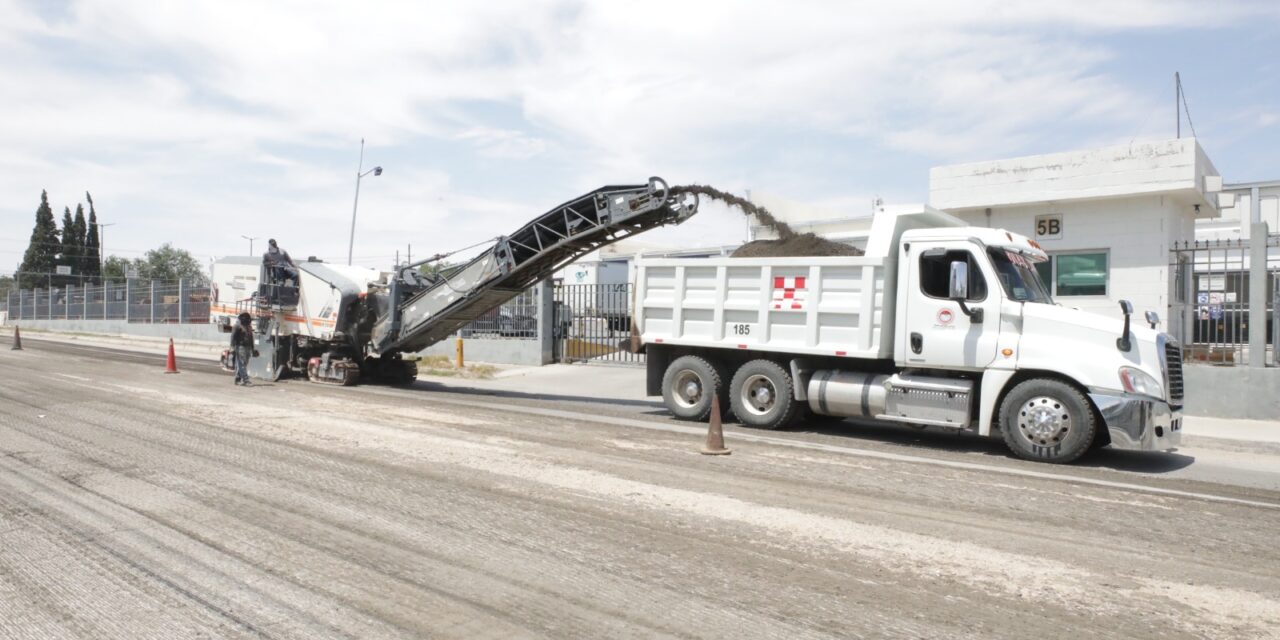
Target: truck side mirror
(1153, 319)
(959, 289)
(1123, 343)
(959, 280)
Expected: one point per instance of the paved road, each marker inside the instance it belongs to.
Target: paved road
(136, 504)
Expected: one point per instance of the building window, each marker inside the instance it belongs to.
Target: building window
(1082, 273)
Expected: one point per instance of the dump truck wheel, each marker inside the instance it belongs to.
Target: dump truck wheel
(688, 385)
(1048, 421)
(762, 395)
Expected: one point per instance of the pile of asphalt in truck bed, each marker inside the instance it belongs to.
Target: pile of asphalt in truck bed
(801, 244)
(788, 244)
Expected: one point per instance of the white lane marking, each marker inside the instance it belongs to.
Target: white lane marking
(67, 375)
(854, 451)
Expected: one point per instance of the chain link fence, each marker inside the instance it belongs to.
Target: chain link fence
(178, 302)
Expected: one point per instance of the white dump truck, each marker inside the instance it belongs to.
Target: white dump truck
(939, 324)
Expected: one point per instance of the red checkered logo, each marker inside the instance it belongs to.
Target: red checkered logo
(789, 293)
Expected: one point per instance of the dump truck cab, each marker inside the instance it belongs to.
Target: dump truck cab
(974, 303)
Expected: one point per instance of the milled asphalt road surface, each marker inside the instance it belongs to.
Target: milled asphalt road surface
(135, 504)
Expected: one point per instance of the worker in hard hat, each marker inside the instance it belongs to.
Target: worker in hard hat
(242, 347)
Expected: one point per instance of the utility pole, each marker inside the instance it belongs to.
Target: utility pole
(360, 173)
(250, 243)
(102, 249)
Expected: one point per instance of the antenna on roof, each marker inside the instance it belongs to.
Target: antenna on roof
(1180, 105)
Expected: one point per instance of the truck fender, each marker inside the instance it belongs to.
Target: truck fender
(994, 382)
(801, 371)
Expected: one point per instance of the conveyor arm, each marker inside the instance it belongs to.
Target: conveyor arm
(421, 313)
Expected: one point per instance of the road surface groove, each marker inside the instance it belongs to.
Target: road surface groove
(295, 510)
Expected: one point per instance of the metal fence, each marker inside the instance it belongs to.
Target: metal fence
(593, 323)
(516, 319)
(1211, 302)
(133, 301)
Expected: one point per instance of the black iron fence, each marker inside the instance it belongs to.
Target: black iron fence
(1211, 302)
(593, 323)
(516, 319)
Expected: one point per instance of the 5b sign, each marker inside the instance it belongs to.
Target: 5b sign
(1049, 227)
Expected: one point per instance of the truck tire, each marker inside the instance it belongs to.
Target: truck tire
(1047, 421)
(762, 395)
(688, 385)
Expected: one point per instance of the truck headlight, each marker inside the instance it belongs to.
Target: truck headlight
(1140, 382)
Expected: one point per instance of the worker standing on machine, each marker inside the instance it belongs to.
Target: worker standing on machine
(242, 347)
(278, 262)
(280, 269)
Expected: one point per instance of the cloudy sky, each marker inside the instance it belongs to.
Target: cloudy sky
(199, 122)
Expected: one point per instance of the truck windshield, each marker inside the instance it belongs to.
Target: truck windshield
(1018, 276)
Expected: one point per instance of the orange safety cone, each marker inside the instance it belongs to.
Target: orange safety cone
(17, 340)
(172, 365)
(715, 432)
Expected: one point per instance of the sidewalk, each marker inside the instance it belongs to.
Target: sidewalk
(602, 381)
(195, 349)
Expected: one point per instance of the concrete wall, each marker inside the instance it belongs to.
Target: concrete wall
(524, 352)
(1164, 166)
(1232, 392)
(494, 351)
(205, 332)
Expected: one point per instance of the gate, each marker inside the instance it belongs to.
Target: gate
(1209, 306)
(593, 323)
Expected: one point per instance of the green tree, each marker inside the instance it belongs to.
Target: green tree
(70, 248)
(440, 267)
(171, 263)
(92, 245)
(116, 268)
(79, 230)
(7, 284)
(42, 250)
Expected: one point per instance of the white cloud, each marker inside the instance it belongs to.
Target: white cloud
(196, 121)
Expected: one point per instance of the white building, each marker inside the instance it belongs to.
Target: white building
(1107, 217)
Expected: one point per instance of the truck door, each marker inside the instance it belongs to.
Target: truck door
(938, 333)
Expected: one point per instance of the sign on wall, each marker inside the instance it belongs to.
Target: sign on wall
(1049, 226)
(62, 270)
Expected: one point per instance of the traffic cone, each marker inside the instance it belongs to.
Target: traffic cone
(172, 365)
(715, 432)
(17, 340)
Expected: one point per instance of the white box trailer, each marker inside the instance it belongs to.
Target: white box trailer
(939, 324)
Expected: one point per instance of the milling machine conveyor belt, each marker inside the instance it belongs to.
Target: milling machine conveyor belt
(420, 314)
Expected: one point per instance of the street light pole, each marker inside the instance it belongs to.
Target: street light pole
(102, 248)
(250, 243)
(360, 173)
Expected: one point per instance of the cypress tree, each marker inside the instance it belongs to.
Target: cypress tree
(68, 251)
(92, 244)
(42, 250)
(79, 236)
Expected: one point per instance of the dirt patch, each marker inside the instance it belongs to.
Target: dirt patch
(805, 244)
(789, 242)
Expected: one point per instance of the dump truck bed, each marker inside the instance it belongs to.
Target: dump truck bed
(833, 306)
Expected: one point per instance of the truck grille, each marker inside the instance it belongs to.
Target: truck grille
(1173, 370)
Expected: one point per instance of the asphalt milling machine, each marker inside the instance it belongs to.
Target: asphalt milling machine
(341, 324)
